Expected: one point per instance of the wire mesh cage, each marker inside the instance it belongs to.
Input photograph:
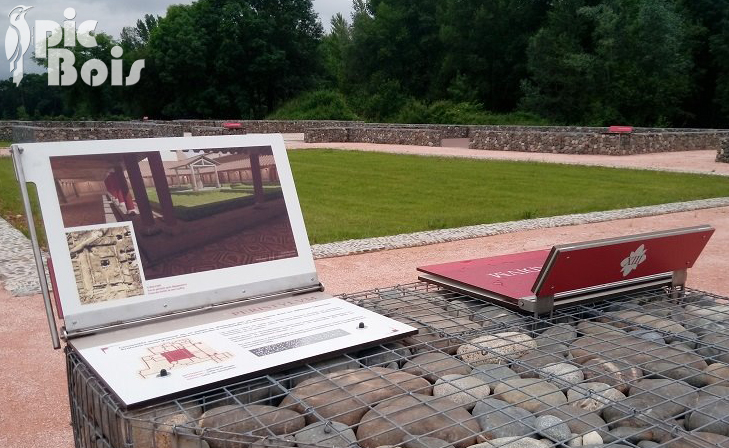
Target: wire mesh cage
(643, 370)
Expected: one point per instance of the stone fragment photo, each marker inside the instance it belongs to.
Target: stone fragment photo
(105, 264)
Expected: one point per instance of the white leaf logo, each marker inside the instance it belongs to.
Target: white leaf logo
(635, 258)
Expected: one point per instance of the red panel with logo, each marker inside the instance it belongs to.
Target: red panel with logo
(620, 129)
(577, 266)
(511, 276)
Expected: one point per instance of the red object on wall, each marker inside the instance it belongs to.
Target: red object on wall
(232, 125)
(620, 130)
(54, 285)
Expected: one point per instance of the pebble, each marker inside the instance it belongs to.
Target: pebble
(500, 419)
(579, 420)
(709, 416)
(463, 308)
(614, 373)
(427, 442)
(563, 375)
(529, 363)
(716, 373)
(648, 444)
(552, 428)
(592, 438)
(513, 442)
(627, 433)
(384, 355)
(493, 374)
(497, 348)
(575, 441)
(529, 393)
(435, 365)
(561, 333)
(649, 335)
(464, 390)
(715, 346)
(495, 317)
(325, 434)
(593, 396)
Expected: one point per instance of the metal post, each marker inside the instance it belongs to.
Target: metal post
(16, 152)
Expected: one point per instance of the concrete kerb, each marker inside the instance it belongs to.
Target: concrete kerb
(352, 247)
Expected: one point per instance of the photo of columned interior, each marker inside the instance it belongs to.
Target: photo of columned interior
(192, 211)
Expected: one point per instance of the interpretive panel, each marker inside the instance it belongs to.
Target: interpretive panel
(145, 368)
(139, 228)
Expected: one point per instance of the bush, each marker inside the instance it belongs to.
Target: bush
(449, 112)
(316, 105)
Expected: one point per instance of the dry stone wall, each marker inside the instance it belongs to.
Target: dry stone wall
(544, 139)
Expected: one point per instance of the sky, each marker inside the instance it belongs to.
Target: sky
(113, 15)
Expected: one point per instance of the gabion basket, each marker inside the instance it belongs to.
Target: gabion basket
(643, 370)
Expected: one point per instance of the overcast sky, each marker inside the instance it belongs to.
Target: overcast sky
(113, 15)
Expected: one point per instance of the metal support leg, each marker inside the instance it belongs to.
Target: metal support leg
(17, 152)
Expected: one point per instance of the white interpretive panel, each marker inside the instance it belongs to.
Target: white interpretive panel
(149, 227)
(146, 368)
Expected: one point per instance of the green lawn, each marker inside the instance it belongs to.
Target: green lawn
(5, 144)
(346, 194)
(11, 205)
(195, 198)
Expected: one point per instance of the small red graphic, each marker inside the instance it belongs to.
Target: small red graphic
(177, 355)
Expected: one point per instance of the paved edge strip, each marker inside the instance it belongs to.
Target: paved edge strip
(18, 274)
(353, 247)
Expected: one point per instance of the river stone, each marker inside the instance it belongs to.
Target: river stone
(345, 396)
(435, 365)
(391, 421)
(427, 442)
(649, 335)
(274, 442)
(514, 442)
(592, 438)
(493, 374)
(234, 425)
(579, 420)
(717, 373)
(496, 349)
(529, 393)
(325, 434)
(710, 440)
(563, 375)
(553, 428)
(648, 444)
(626, 433)
(174, 430)
(428, 338)
(559, 334)
(654, 398)
(395, 302)
(498, 318)
(593, 396)
(715, 346)
(614, 373)
(633, 320)
(500, 419)
(575, 441)
(383, 355)
(529, 363)
(708, 415)
(591, 328)
(464, 390)
(449, 325)
(331, 365)
(463, 308)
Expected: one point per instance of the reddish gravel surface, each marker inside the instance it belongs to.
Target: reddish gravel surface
(34, 409)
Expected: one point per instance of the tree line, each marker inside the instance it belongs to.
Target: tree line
(586, 62)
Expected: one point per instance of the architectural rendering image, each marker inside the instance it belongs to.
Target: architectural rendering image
(192, 212)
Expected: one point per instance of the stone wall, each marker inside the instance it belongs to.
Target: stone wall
(549, 139)
(723, 150)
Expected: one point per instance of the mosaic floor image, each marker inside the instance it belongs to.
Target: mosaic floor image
(105, 264)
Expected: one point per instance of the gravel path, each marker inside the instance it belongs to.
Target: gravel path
(350, 247)
(17, 265)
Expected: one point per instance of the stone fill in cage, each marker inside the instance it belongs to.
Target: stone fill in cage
(642, 370)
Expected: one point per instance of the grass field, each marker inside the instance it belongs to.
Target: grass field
(347, 194)
(195, 198)
(11, 204)
(5, 144)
